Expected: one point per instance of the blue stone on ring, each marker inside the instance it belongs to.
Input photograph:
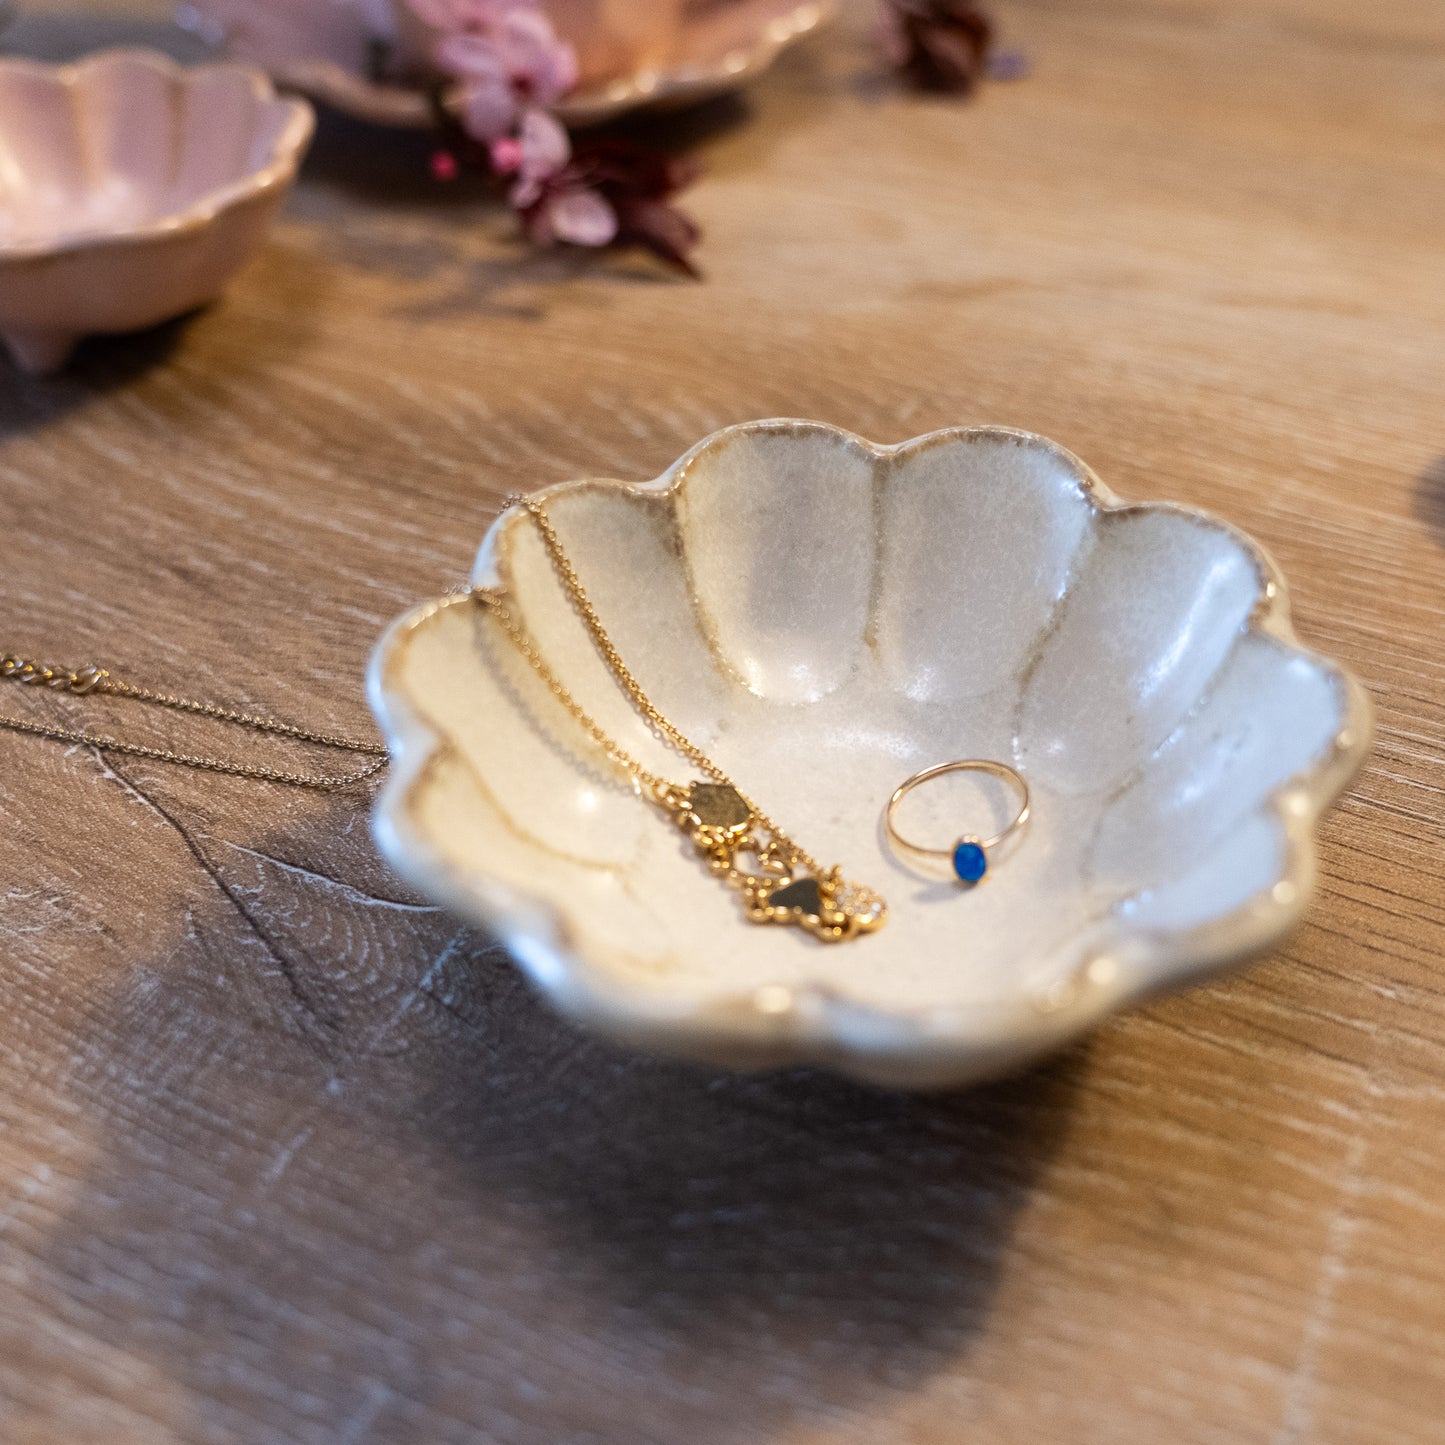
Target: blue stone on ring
(970, 862)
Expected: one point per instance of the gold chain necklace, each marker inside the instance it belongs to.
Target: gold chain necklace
(96, 681)
(778, 881)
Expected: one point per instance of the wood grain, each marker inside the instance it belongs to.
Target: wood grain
(287, 1157)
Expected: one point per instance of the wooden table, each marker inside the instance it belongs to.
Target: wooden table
(287, 1156)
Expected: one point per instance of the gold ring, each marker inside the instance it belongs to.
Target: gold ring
(969, 855)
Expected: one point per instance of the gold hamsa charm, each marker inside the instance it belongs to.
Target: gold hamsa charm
(776, 883)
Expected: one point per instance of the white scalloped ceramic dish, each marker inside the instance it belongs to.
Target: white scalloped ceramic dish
(323, 49)
(825, 617)
(131, 191)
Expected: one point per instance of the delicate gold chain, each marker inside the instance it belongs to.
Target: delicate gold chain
(495, 603)
(96, 681)
(651, 714)
(777, 881)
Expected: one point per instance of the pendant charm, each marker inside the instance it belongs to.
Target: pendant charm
(829, 908)
(776, 884)
(718, 813)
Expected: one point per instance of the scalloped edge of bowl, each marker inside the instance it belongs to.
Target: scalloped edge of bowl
(672, 89)
(405, 107)
(281, 170)
(941, 1047)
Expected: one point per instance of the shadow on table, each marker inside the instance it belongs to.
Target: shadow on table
(231, 343)
(100, 364)
(349, 1171)
(1429, 500)
(859, 1232)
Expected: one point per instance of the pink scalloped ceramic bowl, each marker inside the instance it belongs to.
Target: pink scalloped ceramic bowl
(664, 53)
(131, 191)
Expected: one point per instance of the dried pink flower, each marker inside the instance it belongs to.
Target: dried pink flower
(540, 151)
(510, 68)
(614, 190)
(520, 51)
(576, 215)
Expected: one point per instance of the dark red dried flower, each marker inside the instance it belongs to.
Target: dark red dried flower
(634, 182)
(940, 45)
(638, 183)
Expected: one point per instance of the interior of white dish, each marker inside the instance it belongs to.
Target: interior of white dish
(123, 142)
(825, 618)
